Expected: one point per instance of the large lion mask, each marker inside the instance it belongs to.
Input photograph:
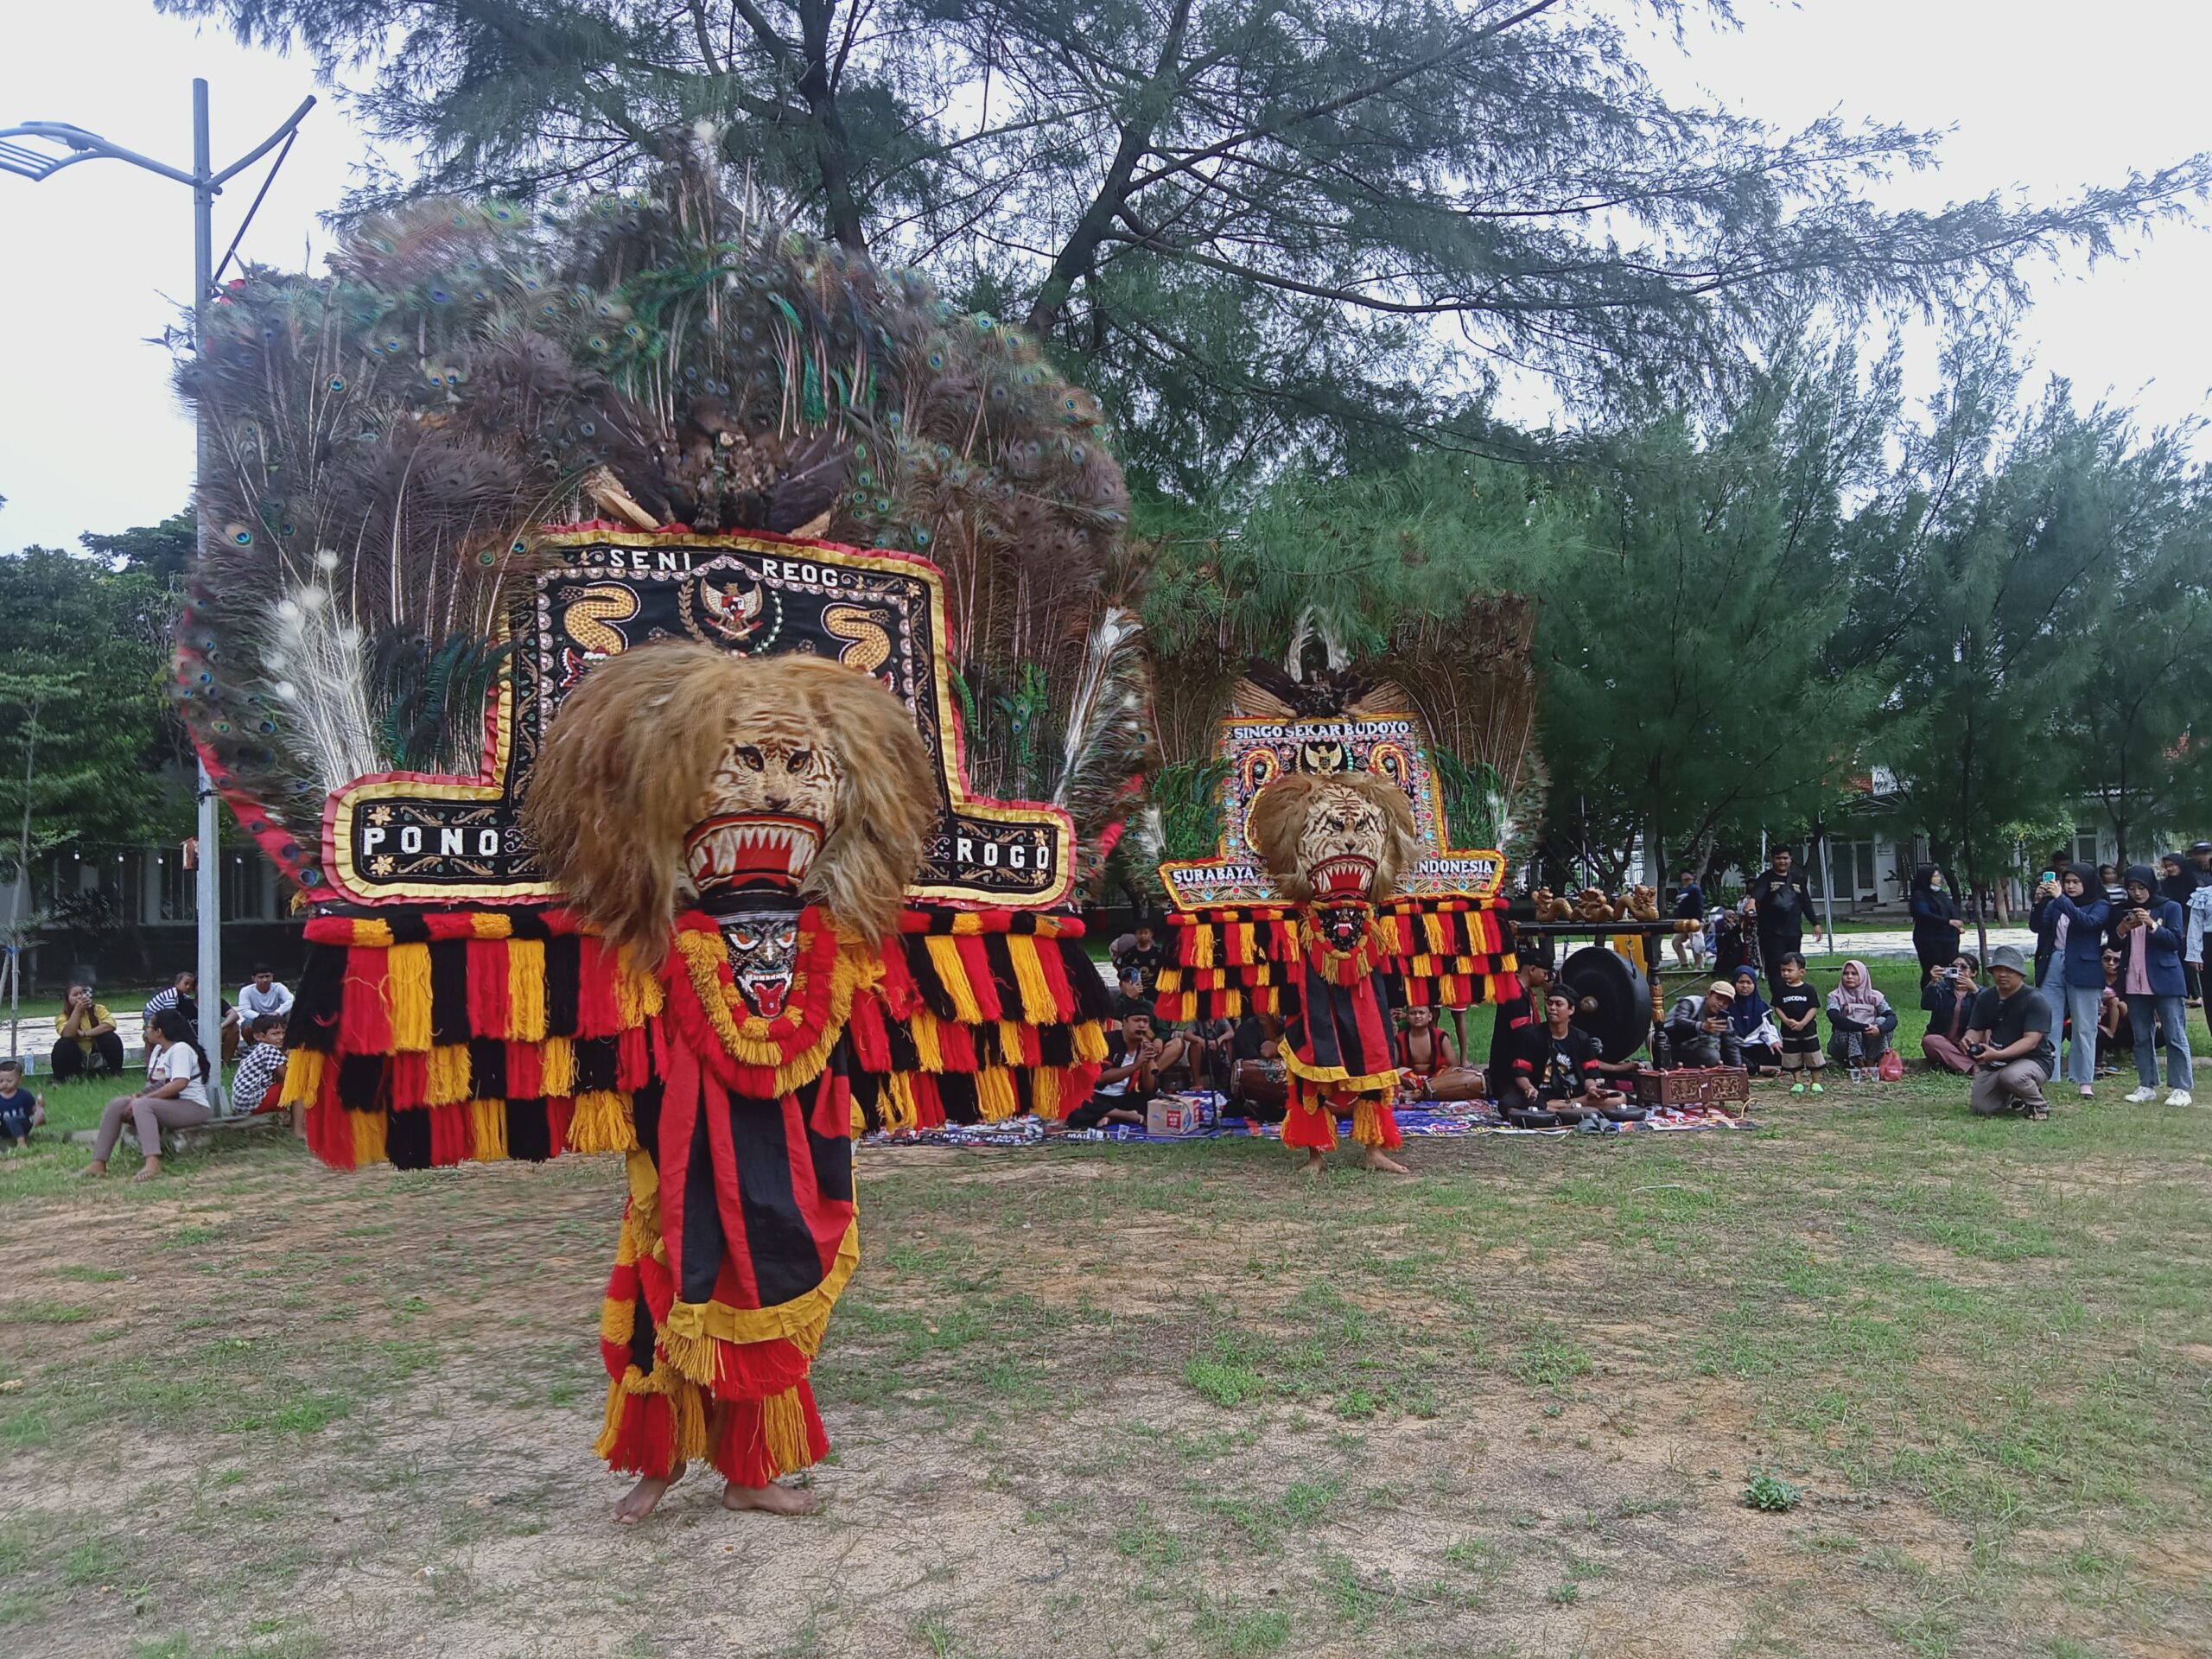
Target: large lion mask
(1336, 840)
(678, 774)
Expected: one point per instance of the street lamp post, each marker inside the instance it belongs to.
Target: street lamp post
(37, 150)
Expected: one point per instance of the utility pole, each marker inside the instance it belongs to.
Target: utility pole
(30, 151)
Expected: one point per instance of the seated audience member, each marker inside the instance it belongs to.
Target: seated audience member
(1558, 1065)
(1797, 1016)
(21, 1111)
(175, 1096)
(1130, 1077)
(1758, 1040)
(1424, 1047)
(260, 1076)
(1860, 1018)
(1948, 996)
(1699, 1029)
(262, 993)
(2010, 1041)
(1141, 951)
(2115, 1031)
(85, 1042)
(181, 996)
(1513, 1015)
(1427, 1051)
(178, 993)
(1211, 1041)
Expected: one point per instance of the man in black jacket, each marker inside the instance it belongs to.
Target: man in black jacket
(1781, 903)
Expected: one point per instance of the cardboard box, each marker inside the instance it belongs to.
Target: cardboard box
(1177, 1114)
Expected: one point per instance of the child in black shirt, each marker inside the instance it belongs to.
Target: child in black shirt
(1797, 1012)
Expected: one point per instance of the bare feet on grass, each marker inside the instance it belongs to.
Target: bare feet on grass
(1314, 1159)
(1376, 1159)
(774, 1499)
(642, 1498)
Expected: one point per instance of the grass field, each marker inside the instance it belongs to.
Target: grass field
(1163, 1400)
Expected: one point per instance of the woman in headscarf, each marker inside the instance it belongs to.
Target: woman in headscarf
(1861, 1018)
(1948, 997)
(1750, 1020)
(1935, 923)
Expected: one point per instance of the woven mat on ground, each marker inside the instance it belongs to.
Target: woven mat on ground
(1433, 1118)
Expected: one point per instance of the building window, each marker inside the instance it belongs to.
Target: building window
(2085, 849)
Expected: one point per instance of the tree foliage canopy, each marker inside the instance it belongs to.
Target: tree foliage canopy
(1268, 229)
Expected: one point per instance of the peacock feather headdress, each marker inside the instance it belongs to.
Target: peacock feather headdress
(387, 438)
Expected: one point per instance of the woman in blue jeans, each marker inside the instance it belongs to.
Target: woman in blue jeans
(2074, 983)
(2149, 933)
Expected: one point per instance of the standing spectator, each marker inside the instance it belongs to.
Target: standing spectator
(21, 1111)
(1781, 903)
(1797, 1012)
(1949, 998)
(1936, 921)
(2152, 941)
(2113, 887)
(1698, 1028)
(1141, 950)
(175, 1096)
(2010, 1041)
(259, 1079)
(1861, 1018)
(263, 993)
(85, 1042)
(1731, 946)
(2076, 925)
(1689, 907)
(1750, 1021)
(2178, 882)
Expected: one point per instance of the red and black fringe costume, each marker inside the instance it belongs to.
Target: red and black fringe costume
(432, 1038)
(1335, 1006)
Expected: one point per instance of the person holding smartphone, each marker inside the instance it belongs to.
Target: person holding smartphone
(2075, 980)
(2150, 938)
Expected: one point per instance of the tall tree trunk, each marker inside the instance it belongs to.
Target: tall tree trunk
(832, 144)
(1079, 254)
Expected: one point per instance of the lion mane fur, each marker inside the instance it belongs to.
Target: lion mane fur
(628, 768)
(1278, 818)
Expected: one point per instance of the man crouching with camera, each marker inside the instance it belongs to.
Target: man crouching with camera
(2008, 1037)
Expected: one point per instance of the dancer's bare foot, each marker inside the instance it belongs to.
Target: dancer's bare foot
(1375, 1160)
(1314, 1159)
(641, 1499)
(773, 1498)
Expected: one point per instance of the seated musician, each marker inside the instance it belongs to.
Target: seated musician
(1137, 1066)
(1521, 1012)
(1558, 1065)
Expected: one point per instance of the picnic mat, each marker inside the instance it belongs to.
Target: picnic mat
(1430, 1118)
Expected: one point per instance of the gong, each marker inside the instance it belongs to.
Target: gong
(1613, 1000)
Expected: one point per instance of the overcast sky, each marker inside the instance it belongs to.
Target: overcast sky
(2038, 97)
